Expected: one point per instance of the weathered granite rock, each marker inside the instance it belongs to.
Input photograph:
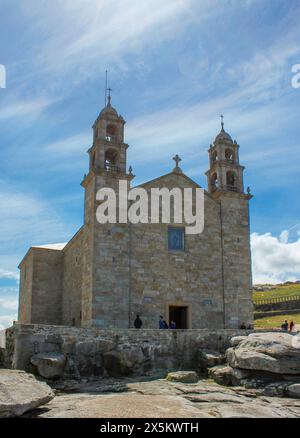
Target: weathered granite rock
(118, 364)
(210, 358)
(163, 399)
(21, 392)
(124, 362)
(88, 357)
(293, 390)
(236, 340)
(271, 352)
(227, 376)
(183, 377)
(49, 365)
(221, 374)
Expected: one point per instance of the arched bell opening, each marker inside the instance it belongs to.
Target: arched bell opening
(231, 181)
(214, 181)
(111, 133)
(111, 160)
(229, 154)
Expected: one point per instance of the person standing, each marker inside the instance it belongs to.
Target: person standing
(138, 322)
(162, 323)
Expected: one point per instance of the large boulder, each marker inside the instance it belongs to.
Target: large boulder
(210, 358)
(236, 340)
(226, 375)
(183, 377)
(293, 390)
(49, 365)
(21, 392)
(271, 352)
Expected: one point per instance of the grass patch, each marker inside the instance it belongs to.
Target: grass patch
(282, 290)
(271, 322)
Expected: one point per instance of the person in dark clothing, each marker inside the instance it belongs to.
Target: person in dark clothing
(285, 325)
(173, 325)
(162, 323)
(138, 322)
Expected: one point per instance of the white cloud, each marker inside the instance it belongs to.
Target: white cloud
(7, 320)
(29, 220)
(76, 144)
(274, 259)
(9, 304)
(97, 31)
(8, 274)
(25, 108)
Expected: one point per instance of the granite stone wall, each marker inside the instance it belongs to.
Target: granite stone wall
(86, 348)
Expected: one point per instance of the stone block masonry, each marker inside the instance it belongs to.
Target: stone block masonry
(87, 349)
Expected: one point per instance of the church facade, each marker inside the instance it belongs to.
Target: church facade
(108, 273)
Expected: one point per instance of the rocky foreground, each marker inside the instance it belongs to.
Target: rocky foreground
(257, 377)
(166, 399)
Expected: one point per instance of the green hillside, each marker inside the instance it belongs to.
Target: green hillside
(274, 322)
(281, 290)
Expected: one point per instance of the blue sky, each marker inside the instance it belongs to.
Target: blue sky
(174, 66)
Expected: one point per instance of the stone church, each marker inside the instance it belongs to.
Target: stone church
(108, 273)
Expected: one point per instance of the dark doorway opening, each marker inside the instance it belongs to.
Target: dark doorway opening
(179, 314)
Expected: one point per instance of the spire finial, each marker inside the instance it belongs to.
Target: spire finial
(109, 97)
(222, 122)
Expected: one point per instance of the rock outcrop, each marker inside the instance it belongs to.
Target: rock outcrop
(208, 359)
(21, 392)
(49, 365)
(183, 377)
(268, 361)
(164, 399)
(270, 352)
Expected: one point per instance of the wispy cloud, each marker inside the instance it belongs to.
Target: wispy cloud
(8, 274)
(24, 108)
(9, 304)
(23, 213)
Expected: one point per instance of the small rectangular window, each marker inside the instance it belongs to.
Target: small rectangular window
(176, 239)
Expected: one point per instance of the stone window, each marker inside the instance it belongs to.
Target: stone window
(176, 239)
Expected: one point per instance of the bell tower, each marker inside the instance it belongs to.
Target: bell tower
(105, 246)
(225, 173)
(108, 152)
(225, 184)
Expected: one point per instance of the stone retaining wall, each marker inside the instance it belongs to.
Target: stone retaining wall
(260, 315)
(283, 305)
(86, 348)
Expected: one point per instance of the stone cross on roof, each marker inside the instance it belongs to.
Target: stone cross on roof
(177, 160)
